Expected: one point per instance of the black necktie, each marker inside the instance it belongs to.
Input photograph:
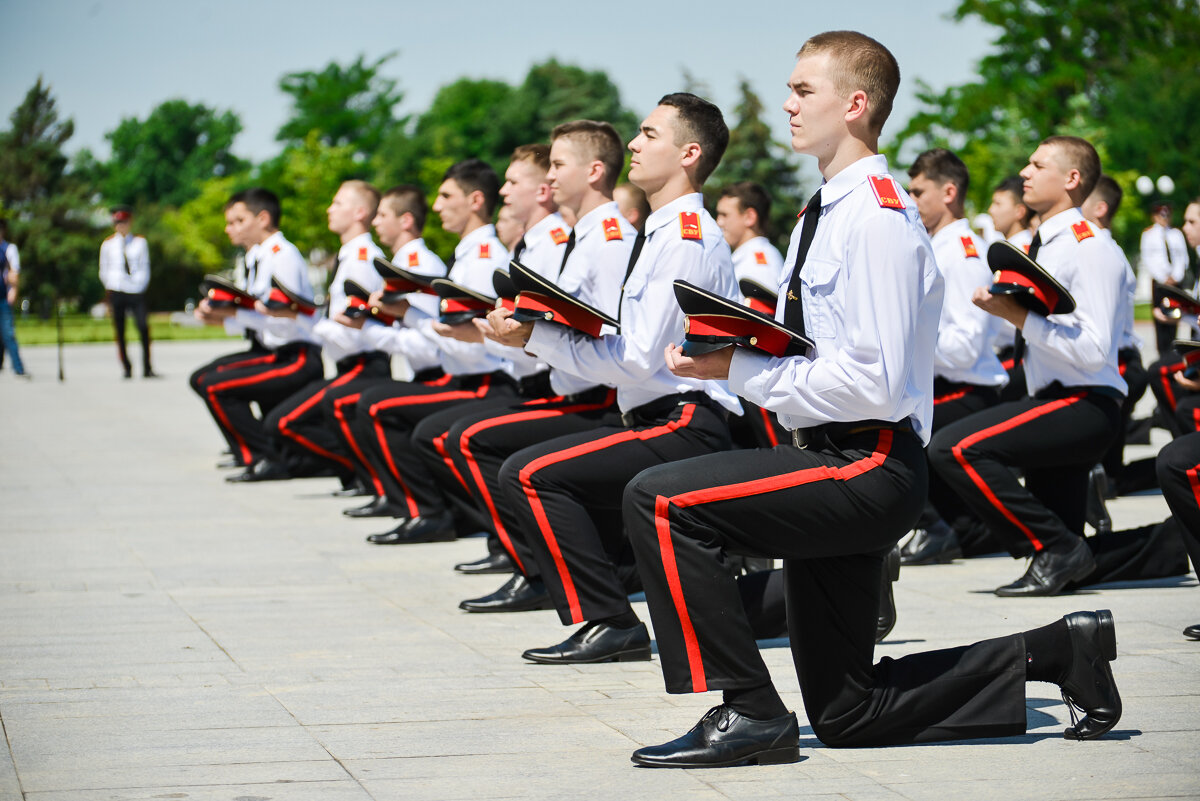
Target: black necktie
(567, 251)
(1167, 246)
(793, 306)
(125, 256)
(1019, 340)
(519, 249)
(633, 257)
(450, 262)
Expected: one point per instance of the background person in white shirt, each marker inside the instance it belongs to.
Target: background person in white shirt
(10, 270)
(1164, 255)
(125, 273)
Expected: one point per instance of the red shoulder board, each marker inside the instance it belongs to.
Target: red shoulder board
(969, 247)
(886, 191)
(760, 257)
(559, 236)
(362, 254)
(485, 250)
(1025, 248)
(275, 248)
(689, 225)
(801, 214)
(612, 229)
(1082, 230)
(414, 260)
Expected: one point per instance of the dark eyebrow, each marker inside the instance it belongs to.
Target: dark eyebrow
(649, 129)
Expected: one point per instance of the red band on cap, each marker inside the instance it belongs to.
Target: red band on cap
(560, 312)
(771, 340)
(455, 305)
(761, 305)
(1043, 293)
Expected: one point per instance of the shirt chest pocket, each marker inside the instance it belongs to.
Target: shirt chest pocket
(822, 291)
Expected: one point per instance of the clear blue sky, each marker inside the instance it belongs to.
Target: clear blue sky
(110, 59)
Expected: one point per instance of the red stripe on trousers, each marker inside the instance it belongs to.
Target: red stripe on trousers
(284, 422)
(1000, 428)
(212, 391)
(539, 512)
(745, 489)
(464, 446)
(413, 400)
(950, 396)
(253, 360)
(439, 444)
(1164, 373)
(338, 413)
(1194, 480)
(772, 438)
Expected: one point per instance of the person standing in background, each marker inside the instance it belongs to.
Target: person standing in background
(1164, 254)
(10, 269)
(125, 273)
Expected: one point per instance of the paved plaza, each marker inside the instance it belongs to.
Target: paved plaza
(165, 635)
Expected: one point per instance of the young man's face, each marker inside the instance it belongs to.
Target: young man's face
(931, 199)
(387, 224)
(1046, 180)
(656, 157)
(237, 219)
(522, 182)
(1163, 218)
(453, 206)
(344, 211)
(1191, 224)
(816, 111)
(568, 174)
(1005, 211)
(733, 221)
(123, 227)
(508, 230)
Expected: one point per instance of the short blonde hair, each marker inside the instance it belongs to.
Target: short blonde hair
(859, 62)
(367, 195)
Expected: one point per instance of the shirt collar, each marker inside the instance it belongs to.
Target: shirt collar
(274, 239)
(361, 241)
(544, 225)
(851, 176)
(409, 247)
(754, 244)
(594, 218)
(956, 229)
(1060, 222)
(690, 202)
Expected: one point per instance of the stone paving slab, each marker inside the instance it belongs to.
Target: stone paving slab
(166, 635)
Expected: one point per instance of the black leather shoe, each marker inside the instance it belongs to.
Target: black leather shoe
(492, 563)
(230, 463)
(725, 739)
(1192, 632)
(1089, 686)
(430, 528)
(936, 545)
(1049, 573)
(378, 507)
(518, 594)
(150, 374)
(354, 489)
(262, 470)
(887, 601)
(1097, 511)
(596, 642)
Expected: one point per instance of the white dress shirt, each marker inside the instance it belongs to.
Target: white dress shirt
(632, 361)
(872, 298)
(115, 253)
(964, 353)
(1128, 338)
(759, 261)
(1080, 348)
(278, 258)
(545, 242)
(1164, 253)
(355, 261)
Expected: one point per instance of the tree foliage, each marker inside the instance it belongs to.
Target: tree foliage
(1129, 69)
(167, 157)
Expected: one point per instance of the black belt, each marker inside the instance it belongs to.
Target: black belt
(818, 437)
(535, 386)
(1057, 390)
(657, 409)
(350, 362)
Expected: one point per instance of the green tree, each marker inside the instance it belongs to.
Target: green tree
(1127, 68)
(347, 106)
(753, 155)
(167, 157)
(47, 206)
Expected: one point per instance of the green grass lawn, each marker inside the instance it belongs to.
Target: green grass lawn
(33, 330)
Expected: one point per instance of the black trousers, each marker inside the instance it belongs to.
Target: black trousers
(1136, 378)
(565, 494)
(134, 303)
(339, 408)
(757, 428)
(266, 381)
(1168, 393)
(477, 442)
(1016, 387)
(1164, 335)
(1178, 467)
(831, 515)
(299, 430)
(952, 401)
(383, 425)
(222, 364)
(1055, 438)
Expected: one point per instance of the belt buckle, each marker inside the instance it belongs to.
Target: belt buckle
(627, 419)
(800, 438)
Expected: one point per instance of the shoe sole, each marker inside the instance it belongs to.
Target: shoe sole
(1079, 575)
(635, 655)
(772, 756)
(547, 604)
(1107, 636)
